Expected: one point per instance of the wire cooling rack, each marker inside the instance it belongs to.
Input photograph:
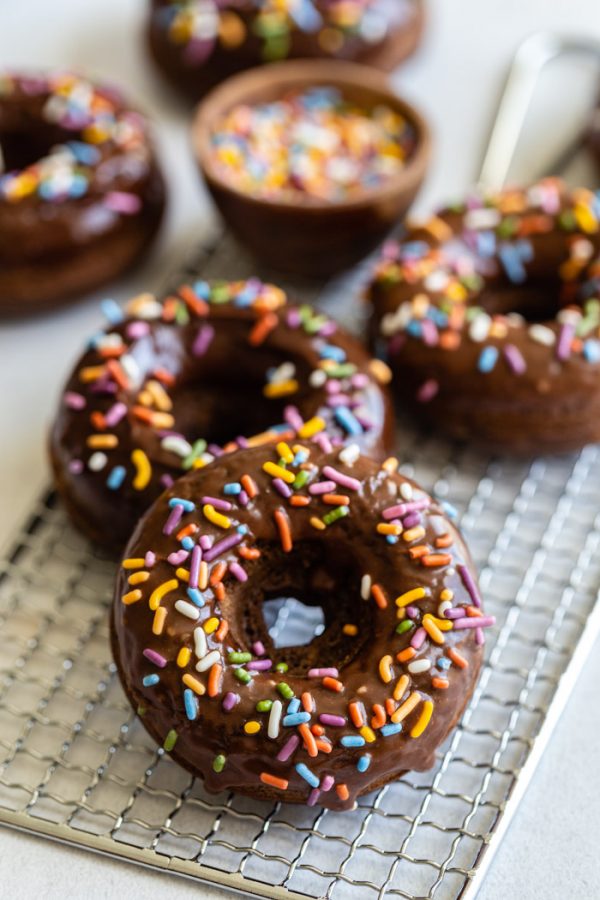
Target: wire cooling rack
(76, 765)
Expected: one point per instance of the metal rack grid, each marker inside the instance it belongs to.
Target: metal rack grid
(76, 765)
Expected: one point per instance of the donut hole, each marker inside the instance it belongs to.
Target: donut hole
(538, 300)
(313, 591)
(24, 147)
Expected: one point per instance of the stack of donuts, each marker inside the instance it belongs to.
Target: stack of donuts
(232, 445)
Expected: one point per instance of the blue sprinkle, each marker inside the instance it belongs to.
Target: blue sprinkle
(191, 704)
(116, 478)
(414, 328)
(486, 244)
(85, 154)
(330, 351)
(202, 289)
(233, 488)
(443, 662)
(353, 740)
(300, 457)
(450, 510)
(188, 506)
(414, 249)
(391, 538)
(309, 776)
(392, 728)
(591, 351)
(512, 261)
(299, 718)
(187, 543)
(195, 596)
(487, 359)
(348, 421)
(150, 680)
(364, 762)
(112, 311)
(78, 186)
(242, 529)
(294, 705)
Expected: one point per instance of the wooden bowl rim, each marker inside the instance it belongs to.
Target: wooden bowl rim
(306, 73)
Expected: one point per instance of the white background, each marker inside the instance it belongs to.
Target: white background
(551, 848)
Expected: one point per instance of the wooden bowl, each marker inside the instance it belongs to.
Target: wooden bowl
(308, 236)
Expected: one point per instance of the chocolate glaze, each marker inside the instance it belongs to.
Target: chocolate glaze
(194, 75)
(53, 249)
(323, 567)
(551, 401)
(217, 395)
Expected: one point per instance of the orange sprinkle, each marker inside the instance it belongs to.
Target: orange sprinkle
(332, 684)
(249, 486)
(285, 534)
(436, 559)
(379, 717)
(262, 329)
(401, 686)
(457, 659)
(407, 707)
(317, 730)
(214, 680)
(299, 500)
(379, 596)
(417, 552)
(165, 377)
(219, 591)
(217, 573)
(443, 541)
(192, 528)
(249, 552)
(307, 702)
(98, 421)
(336, 499)
(274, 781)
(195, 303)
(342, 791)
(117, 373)
(169, 309)
(390, 706)
(473, 612)
(221, 631)
(324, 746)
(309, 739)
(439, 683)
(406, 655)
(131, 597)
(356, 714)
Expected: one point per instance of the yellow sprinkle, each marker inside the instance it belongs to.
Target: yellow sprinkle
(447, 594)
(159, 620)
(160, 397)
(388, 528)
(102, 441)
(285, 452)
(91, 373)
(385, 669)
(138, 577)
(203, 576)
(300, 448)
(134, 563)
(132, 597)
(585, 218)
(317, 523)
(423, 720)
(281, 389)
(194, 684)
(438, 228)
(183, 574)
(368, 734)
(380, 371)
(199, 463)
(432, 629)
(158, 593)
(442, 624)
(143, 470)
(276, 471)
(211, 625)
(407, 707)
(414, 534)
(400, 688)
(390, 465)
(252, 727)
(183, 657)
(312, 427)
(411, 596)
(352, 630)
(215, 517)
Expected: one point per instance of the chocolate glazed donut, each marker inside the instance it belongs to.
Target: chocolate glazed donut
(81, 195)
(489, 316)
(160, 392)
(199, 43)
(371, 697)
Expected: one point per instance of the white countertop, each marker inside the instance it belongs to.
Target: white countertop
(551, 846)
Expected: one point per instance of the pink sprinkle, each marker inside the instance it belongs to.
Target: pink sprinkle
(322, 441)
(223, 505)
(313, 797)
(177, 557)
(453, 613)
(149, 559)
(479, 637)
(327, 783)
(474, 622)
(292, 416)
(195, 566)
(334, 721)
(429, 332)
(155, 658)
(238, 572)
(293, 318)
(121, 202)
(418, 638)
(412, 612)
(323, 673)
(205, 542)
(411, 520)
(333, 385)
(74, 401)
(258, 648)
(243, 498)
(259, 665)
(322, 487)
(115, 414)
(515, 359)
(203, 340)
(428, 390)
(563, 347)
(288, 748)
(136, 330)
(76, 466)
(328, 328)
(359, 381)
(345, 480)
(401, 509)
(230, 700)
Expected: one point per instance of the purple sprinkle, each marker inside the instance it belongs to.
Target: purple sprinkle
(203, 340)
(76, 466)
(243, 498)
(454, 613)
(327, 783)
(412, 612)
(288, 748)
(474, 622)
(338, 400)
(149, 559)
(103, 386)
(177, 557)
(136, 330)
(479, 637)
(121, 202)
(429, 332)
(238, 571)
(428, 390)
(259, 665)
(515, 359)
(74, 401)
(195, 566)
(334, 721)
(282, 487)
(418, 638)
(155, 658)
(323, 673)
(215, 450)
(230, 700)
(411, 520)
(167, 481)
(293, 318)
(173, 519)
(313, 797)
(563, 347)
(115, 414)
(258, 648)
(223, 546)
(322, 487)
(401, 509)
(469, 583)
(242, 442)
(223, 505)
(344, 480)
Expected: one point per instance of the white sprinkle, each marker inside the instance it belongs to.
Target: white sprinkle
(444, 605)
(436, 282)
(542, 335)
(97, 461)
(349, 454)
(284, 372)
(274, 719)
(200, 646)
(418, 666)
(397, 321)
(131, 369)
(482, 218)
(187, 609)
(209, 660)
(480, 327)
(144, 306)
(175, 444)
(406, 490)
(365, 586)
(568, 317)
(317, 378)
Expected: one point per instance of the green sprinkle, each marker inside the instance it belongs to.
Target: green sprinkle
(285, 690)
(220, 292)
(301, 479)
(567, 220)
(507, 227)
(219, 763)
(264, 705)
(170, 740)
(344, 370)
(198, 449)
(338, 513)
(141, 711)
(235, 657)
(404, 626)
(182, 316)
(315, 324)
(242, 675)
(281, 667)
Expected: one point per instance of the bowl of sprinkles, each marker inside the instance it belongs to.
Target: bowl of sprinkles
(310, 163)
